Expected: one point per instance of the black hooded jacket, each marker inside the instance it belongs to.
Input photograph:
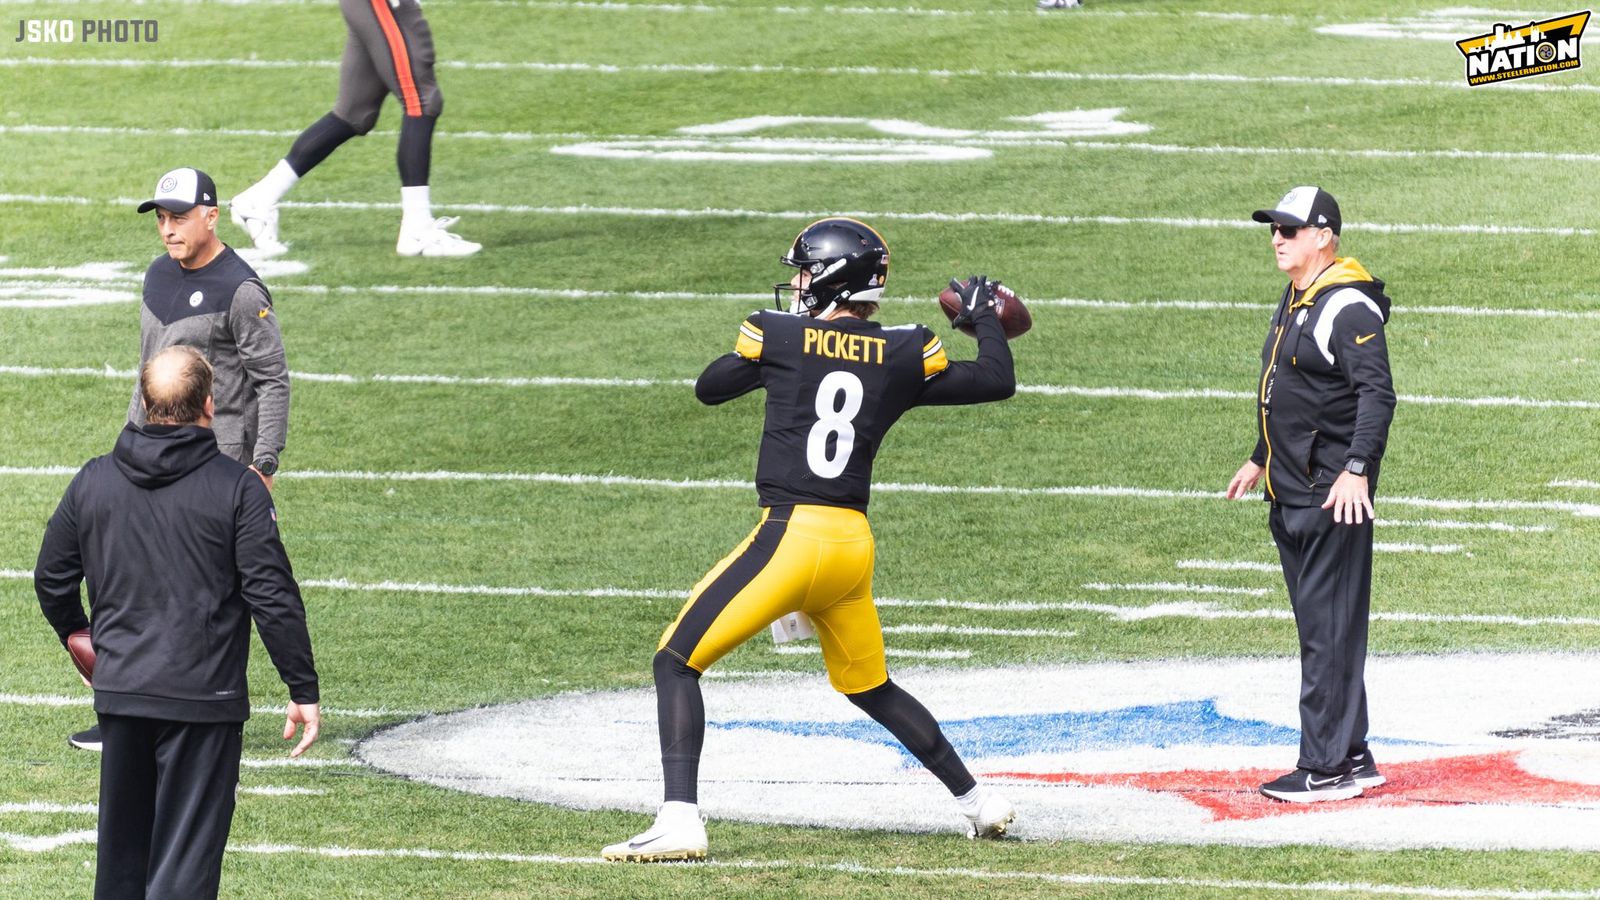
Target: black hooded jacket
(179, 545)
(1325, 395)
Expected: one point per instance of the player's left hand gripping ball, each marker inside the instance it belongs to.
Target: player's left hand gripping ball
(1014, 316)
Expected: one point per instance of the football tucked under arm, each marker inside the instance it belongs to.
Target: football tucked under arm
(81, 649)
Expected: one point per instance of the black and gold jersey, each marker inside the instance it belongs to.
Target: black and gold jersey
(834, 388)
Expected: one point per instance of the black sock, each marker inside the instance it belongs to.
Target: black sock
(416, 149)
(916, 729)
(681, 717)
(315, 143)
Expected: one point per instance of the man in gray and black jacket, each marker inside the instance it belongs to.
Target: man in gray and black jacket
(179, 548)
(201, 294)
(1323, 407)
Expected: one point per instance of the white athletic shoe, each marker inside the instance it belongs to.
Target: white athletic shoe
(990, 815)
(259, 221)
(431, 239)
(1059, 4)
(677, 835)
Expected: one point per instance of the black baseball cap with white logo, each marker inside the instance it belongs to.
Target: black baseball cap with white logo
(1305, 205)
(182, 190)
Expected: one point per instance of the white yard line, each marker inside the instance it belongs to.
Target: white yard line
(1236, 565)
(755, 673)
(1221, 79)
(1468, 311)
(1181, 609)
(1452, 525)
(1187, 609)
(285, 762)
(869, 215)
(404, 587)
(974, 631)
(1174, 587)
(1392, 547)
(813, 649)
(66, 277)
(1228, 565)
(46, 842)
(86, 700)
(1385, 153)
(1047, 390)
(43, 808)
(1248, 887)
(1212, 612)
(42, 699)
(1581, 484)
(271, 790)
(1094, 491)
(1220, 394)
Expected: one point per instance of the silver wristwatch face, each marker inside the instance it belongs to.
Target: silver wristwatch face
(1356, 467)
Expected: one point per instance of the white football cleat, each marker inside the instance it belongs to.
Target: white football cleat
(259, 221)
(431, 239)
(990, 815)
(677, 835)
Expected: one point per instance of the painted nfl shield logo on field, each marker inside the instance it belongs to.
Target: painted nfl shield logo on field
(1164, 751)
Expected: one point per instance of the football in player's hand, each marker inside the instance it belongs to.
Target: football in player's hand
(1014, 316)
(82, 651)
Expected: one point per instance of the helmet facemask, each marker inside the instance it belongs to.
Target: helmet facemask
(840, 260)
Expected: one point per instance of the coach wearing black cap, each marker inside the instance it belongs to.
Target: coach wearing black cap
(201, 294)
(1323, 407)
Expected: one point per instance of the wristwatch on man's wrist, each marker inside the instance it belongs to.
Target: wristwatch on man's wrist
(266, 466)
(1355, 465)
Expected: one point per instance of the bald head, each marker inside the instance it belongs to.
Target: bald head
(176, 384)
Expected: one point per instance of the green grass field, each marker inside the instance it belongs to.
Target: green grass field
(1480, 207)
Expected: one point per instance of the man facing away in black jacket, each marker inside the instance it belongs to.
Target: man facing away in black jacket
(179, 546)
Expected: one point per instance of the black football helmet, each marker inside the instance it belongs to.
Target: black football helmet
(847, 260)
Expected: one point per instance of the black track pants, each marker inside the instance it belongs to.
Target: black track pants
(1328, 568)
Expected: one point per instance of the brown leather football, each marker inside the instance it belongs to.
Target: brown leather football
(82, 651)
(1014, 315)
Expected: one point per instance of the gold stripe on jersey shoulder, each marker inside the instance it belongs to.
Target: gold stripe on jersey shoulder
(933, 359)
(750, 342)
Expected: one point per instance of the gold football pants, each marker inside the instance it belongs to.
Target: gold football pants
(811, 559)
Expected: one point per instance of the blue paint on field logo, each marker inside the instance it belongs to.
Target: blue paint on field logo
(1190, 722)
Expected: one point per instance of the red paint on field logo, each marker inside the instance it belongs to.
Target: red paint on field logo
(1230, 795)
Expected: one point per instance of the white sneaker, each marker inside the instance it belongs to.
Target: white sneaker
(1059, 4)
(678, 834)
(259, 221)
(431, 239)
(989, 815)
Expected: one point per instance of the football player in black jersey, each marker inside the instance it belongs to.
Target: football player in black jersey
(835, 381)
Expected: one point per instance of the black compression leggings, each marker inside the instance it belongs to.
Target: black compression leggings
(917, 730)
(681, 718)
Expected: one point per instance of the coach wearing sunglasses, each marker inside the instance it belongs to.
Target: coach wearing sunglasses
(1324, 403)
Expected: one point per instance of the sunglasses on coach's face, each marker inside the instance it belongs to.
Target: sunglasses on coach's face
(1289, 232)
